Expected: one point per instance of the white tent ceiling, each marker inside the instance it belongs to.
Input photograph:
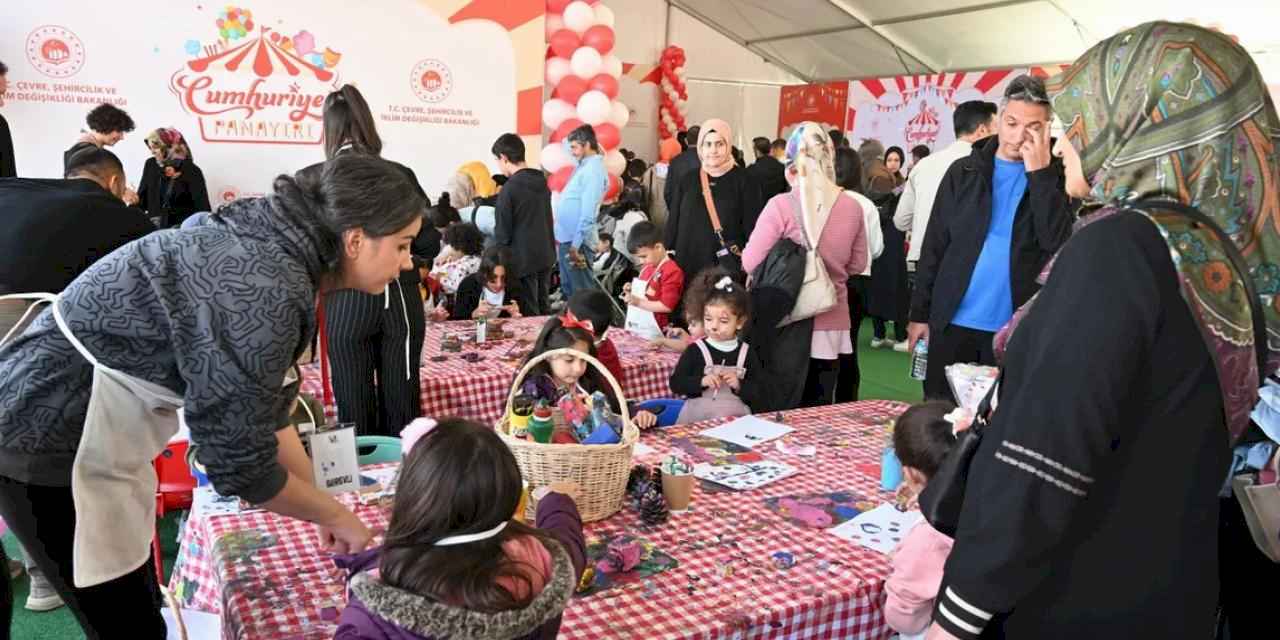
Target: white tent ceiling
(818, 40)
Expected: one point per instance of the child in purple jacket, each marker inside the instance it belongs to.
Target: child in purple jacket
(454, 563)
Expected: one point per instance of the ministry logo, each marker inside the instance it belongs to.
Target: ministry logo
(55, 51)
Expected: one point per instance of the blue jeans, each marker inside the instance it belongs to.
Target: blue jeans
(573, 278)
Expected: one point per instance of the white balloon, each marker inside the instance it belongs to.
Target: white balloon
(557, 69)
(604, 15)
(556, 111)
(554, 24)
(615, 163)
(613, 66)
(594, 108)
(620, 115)
(586, 62)
(579, 16)
(554, 157)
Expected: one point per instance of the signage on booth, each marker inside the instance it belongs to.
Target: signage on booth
(432, 83)
(255, 84)
(55, 51)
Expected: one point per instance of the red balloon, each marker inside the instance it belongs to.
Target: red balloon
(605, 84)
(599, 38)
(571, 88)
(615, 185)
(557, 6)
(564, 42)
(560, 179)
(607, 135)
(565, 129)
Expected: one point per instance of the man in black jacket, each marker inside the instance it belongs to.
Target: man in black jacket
(682, 165)
(767, 172)
(1000, 214)
(523, 222)
(54, 230)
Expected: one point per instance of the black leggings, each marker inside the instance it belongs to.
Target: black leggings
(366, 342)
(44, 520)
(850, 376)
(820, 385)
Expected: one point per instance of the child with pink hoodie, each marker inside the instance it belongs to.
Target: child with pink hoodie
(921, 438)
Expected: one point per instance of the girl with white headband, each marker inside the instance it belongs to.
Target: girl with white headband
(455, 563)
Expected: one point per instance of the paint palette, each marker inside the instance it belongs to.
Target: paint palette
(745, 477)
(703, 449)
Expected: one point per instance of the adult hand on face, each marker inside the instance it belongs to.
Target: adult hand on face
(1036, 149)
(346, 534)
(916, 331)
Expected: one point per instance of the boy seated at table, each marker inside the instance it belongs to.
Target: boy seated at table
(455, 561)
(492, 292)
(593, 306)
(922, 437)
(663, 278)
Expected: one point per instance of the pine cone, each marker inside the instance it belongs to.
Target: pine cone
(640, 475)
(653, 506)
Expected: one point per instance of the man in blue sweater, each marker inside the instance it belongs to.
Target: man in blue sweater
(1000, 214)
(576, 213)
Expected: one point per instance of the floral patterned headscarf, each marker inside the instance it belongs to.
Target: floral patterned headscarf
(1179, 111)
(170, 142)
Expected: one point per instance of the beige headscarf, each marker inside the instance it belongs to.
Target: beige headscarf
(721, 127)
(811, 158)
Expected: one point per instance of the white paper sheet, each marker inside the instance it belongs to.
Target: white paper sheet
(880, 529)
(206, 503)
(200, 625)
(748, 431)
(745, 477)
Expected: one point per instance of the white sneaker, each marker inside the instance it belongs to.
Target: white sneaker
(900, 347)
(43, 596)
(877, 343)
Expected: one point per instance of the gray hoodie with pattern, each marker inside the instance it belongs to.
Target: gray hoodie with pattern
(216, 314)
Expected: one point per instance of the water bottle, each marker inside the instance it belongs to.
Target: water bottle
(920, 360)
(482, 325)
(890, 470)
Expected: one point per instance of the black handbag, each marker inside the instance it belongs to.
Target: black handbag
(943, 498)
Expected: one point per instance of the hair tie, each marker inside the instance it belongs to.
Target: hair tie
(570, 321)
(725, 283)
(471, 537)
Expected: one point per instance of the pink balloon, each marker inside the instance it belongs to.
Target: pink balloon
(599, 38)
(570, 89)
(564, 42)
(615, 185)
(565, 129)
(558, 180)
(604, 83)
(608, 135)
(557, 6)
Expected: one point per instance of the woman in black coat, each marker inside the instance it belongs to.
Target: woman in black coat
(172, 186)
(737, 198)
(493, 292)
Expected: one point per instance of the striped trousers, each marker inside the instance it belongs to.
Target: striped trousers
(376, 380)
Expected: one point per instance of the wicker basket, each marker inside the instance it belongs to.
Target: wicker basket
(600, 470)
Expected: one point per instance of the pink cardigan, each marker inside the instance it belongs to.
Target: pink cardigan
(842, 246)
(917, 574)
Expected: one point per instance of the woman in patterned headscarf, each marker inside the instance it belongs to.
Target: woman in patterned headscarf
(836, 222)
(1092, 505)
(172, 186)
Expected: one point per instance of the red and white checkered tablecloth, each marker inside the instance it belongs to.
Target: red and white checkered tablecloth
(268, 578)
(452, 386)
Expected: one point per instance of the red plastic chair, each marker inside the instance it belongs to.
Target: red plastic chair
(173, 493)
